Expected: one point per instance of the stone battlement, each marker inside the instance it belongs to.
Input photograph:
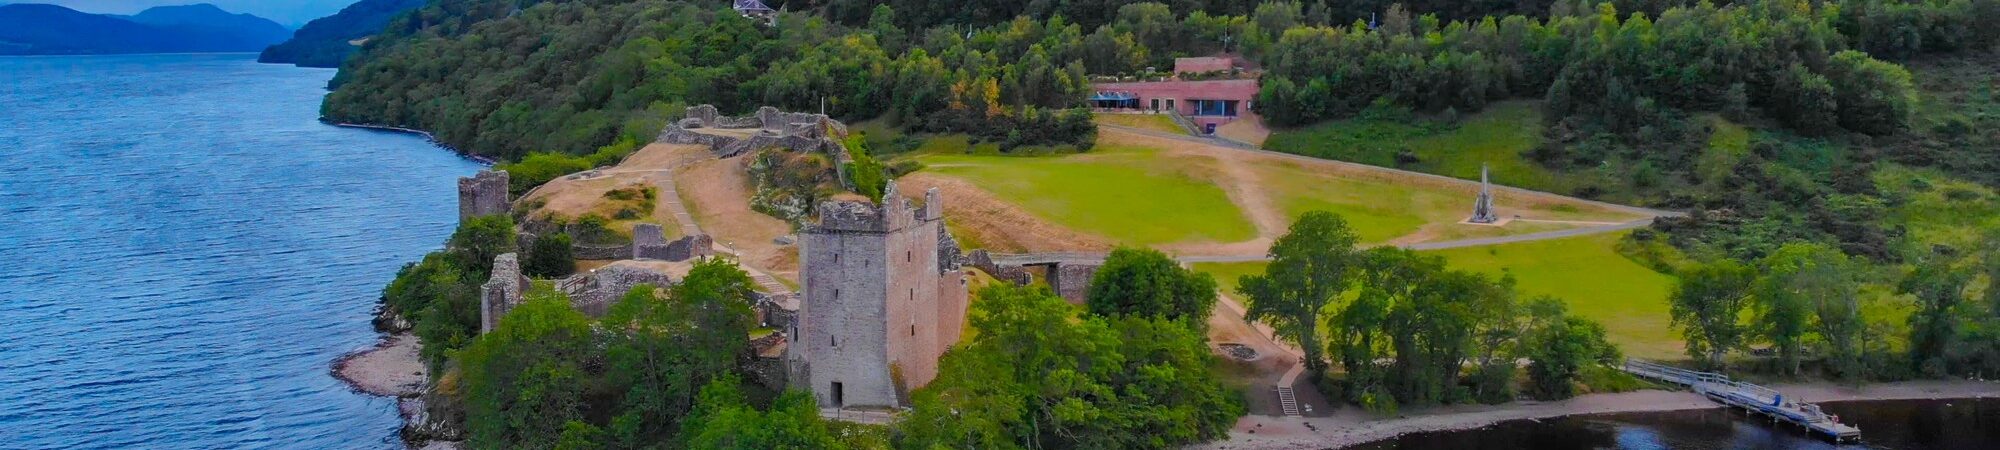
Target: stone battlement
(895, 213)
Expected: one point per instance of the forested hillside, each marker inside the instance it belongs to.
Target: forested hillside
(327, 41)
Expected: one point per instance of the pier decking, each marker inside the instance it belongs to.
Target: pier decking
(1748, 397)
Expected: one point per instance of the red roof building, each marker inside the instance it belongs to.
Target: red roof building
(1209, 91)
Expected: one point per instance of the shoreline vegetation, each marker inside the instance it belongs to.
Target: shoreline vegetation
(432, 138)
(392, 369)
(1350, 427)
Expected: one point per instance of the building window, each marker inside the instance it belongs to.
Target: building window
(909, 256)
(913, 330)
(832, 341)
(836, 294)
(913, 295)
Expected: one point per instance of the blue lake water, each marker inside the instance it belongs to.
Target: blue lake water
(184, 249)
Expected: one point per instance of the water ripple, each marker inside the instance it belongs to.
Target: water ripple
(183, 249)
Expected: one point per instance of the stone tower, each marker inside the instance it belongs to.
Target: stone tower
(482, 194)
(883, 299)
(1482, 208)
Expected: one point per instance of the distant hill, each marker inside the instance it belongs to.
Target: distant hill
(327, 41)
(35, 29)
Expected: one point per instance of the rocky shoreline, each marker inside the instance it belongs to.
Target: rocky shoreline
(394, 367)
(1350, 426)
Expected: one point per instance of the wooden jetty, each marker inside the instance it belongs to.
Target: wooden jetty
(1750, 398)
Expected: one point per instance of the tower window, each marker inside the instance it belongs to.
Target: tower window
(909, 256)
(913, 330)
(832, 341)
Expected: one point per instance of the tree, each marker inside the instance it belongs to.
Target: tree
(1310, 267)
(1806, 278)
(1782, 307)
(524, 381)
(1559, 346)
(551, 257)
(1706, 304)
(666, 348)
(1147, 283)
(722, 421)
(1038, 375)
(1939, 287)
(480, 239)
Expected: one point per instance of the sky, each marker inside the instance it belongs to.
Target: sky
(291, 13)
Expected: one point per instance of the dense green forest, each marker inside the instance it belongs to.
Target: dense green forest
(326, 41)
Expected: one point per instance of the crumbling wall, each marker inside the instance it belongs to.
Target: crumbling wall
(482, 194)
(502, 291)
(689, 247)
(1071, 280)
(601, 251)
(649, 242)
(593, 293)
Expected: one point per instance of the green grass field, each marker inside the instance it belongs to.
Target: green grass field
(1496, 136)
(1155, 122)
(1124, 193)
(1587, 272)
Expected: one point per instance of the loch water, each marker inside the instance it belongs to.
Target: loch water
(1956, 424)
(184, 248)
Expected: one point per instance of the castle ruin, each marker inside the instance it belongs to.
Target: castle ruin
(502, 292)
(483, 194)
(884, 297)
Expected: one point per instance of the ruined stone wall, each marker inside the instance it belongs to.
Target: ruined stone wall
(648, 241)
(778, 311)
(601, 252)
(594, 292)
(482, 194)
(1072, 281)
(689, 247)
(502, 291)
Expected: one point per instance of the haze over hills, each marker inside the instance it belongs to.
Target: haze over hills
(290, 13)
(38, 29)
(327, 41)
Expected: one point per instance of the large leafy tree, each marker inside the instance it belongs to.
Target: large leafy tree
(1706, 304)
(722, 420)
(1939, 286)
(1147, 283)
(1559, 346)
(1310, 267)
(1039, 375)
(663, 347)
(525, 381)
(480, 239)
(1783, 304)
(1816, 280)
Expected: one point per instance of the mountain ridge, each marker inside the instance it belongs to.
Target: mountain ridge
(41, 29)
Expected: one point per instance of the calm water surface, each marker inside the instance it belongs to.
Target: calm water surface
(1898, 425)
(183, 249)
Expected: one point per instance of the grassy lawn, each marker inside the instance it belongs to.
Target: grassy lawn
(1155, 122)
(1124, 193)
(1495, 136)
(1380, 210)
(1599, 284)
(1629, 299)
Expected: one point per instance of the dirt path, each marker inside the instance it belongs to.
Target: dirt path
(716, 193)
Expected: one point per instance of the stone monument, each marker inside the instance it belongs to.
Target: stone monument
(1482, 208)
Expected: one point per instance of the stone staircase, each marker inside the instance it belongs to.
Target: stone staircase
(672, 198)
(1288, 401)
